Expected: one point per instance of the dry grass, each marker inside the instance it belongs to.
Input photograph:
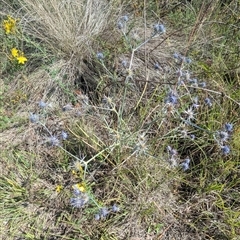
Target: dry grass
(69, 27)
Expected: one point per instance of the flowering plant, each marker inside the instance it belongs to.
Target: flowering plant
(18, 55)
(9, 25)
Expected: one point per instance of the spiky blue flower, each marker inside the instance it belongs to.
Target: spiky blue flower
(100, 56)
(225, 149)
(193, 81)
(64, 135)
(188, 60)
(120, 25)
(202, 84)
(223, 136)
(185, 165)
(171, 151)
(195, 103)
(78, 202)
(208, 102)
(159, 28)
(76, 192)
(42, 104)
(175, 55)
(115, 208)
(33, 118)
(103, 212)
(228, 127)
(125, 18)
(171, 98)
(53, 140)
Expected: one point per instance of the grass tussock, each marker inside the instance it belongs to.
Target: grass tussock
(70, 28)
(119, 120)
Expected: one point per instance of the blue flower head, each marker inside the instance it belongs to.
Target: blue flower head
(195, 103)
(185, 164)
(223, 136)
(120, 25)
(64, 135)
(125, 18)
(104, 212)
(188, 60)
(159, 28)
(79, 201)
(115, 208)
(100, 56)
(175, 55)
(33, 118)
(228, 127)
(122, 22)
(202, 84)
(172, 98)
(54, 141)
(225, 149)
(42, 104)
(171, 151)
(193, 81)
(208, 102)
(76, 192)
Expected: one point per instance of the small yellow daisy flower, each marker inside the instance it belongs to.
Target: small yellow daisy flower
(74, 173)
(21, 59)
(14, 52)
(9, 25)
(59, 188)
(80, 187)
(18, 55)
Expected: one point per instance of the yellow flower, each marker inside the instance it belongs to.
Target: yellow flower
(17, 54)
(80, 187)
(74, 173)
(59, 188)
(21, 59)
(14, 52)
(9, 25)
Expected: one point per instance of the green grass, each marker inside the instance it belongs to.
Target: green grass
(119, 122)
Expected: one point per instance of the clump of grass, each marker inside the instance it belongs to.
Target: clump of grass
(68, 28)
